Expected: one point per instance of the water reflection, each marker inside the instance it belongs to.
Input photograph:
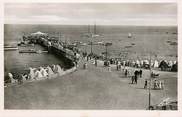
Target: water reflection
(20, 62)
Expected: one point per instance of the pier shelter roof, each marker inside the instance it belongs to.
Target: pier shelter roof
(38, 33)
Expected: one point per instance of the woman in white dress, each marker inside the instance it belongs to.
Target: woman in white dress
(49, 71)
(43, 72)
(38, 74)
(10, 75)
(59, 70)
(54, 68)
(32, 73)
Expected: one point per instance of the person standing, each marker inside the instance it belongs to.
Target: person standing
(136, 79)
(85, 66)
(126, 73)
(76, 63)
(12, 80)
(140, 73)
(96, 62)
(87, 58)
(132, 79)
(117, 67)
(136, 76)
(49, 46)
(156, 86)
(19, 78)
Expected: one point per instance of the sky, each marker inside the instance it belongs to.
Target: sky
(154, 14)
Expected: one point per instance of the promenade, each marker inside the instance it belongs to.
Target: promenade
(91, 88)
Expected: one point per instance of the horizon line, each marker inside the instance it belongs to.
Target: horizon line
(84, 24)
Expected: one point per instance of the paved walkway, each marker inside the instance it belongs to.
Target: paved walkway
(91, 88)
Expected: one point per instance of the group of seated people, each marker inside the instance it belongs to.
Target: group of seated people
(37, 73)
(158, 84)
(155, 84)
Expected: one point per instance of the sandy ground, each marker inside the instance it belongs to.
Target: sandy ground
(93, 88)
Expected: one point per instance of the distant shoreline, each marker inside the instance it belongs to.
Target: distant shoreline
(100, 25)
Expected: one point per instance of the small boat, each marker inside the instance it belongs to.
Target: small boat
(128, 46)
(132, 43)
(26, 45)
(28, 51)
(41, 51)
(33, 51)
(6, 48)
(129, 35)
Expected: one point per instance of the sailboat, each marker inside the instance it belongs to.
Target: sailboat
(129, 35)
(89, 34)
(95, 34)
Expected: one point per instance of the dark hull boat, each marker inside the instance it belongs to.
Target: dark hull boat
(33, 51)
(9, 48)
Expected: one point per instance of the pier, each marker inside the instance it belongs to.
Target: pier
(54, 47)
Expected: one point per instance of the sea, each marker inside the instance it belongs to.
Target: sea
(158, 42)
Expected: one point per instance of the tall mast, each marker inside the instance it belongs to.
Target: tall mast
(95, 28)
(89, 29)
(59, 37)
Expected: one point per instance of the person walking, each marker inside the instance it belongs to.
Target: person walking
(136, 79)
(117, 67)
(136, 76)
(140, 73)
(132, 79)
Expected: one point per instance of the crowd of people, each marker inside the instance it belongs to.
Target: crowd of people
(163, 65)
(133, 73)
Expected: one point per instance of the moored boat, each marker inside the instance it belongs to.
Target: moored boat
(33, 51)
(6, 48)
(28, 51)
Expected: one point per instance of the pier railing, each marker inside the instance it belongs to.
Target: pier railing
(70, 54)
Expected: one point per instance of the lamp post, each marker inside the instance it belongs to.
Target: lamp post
(150, 83)
(91, 44)
(106, 52)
